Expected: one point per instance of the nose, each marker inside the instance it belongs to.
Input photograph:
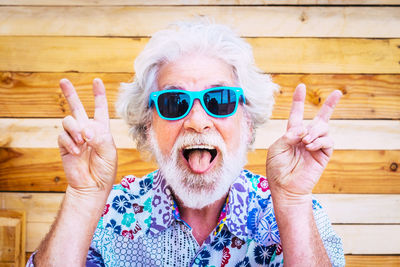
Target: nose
(197, 120)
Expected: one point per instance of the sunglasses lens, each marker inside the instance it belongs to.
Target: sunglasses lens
(173, 104)
(220, 102)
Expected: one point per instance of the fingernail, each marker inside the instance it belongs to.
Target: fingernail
(97, 81)
(64, 80)
(307, 138)
(79, 139)
(88, 134)
(76, 150)
(303, 133)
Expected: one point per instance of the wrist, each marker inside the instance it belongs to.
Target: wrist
(83, 202)
(282, 197)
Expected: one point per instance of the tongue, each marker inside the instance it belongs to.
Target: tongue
(199, 160)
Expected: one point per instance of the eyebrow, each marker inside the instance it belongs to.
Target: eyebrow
(170, 87)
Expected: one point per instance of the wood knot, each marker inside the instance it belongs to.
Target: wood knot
(303, 17)
(394, 166)
(6, 78)
(314, 97)
(61, 102)
(344, 90)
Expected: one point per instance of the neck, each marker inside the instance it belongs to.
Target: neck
(203, 221)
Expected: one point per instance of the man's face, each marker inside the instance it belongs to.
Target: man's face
(198, 149)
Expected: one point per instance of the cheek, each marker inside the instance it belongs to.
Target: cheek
(166, 133)
(230, 131)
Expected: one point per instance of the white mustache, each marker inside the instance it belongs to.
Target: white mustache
(212, 139)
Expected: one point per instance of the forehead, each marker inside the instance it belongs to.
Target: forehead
(195, 72)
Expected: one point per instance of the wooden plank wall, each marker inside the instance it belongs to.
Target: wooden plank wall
(353, 46)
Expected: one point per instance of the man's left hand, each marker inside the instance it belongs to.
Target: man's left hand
(296, 161)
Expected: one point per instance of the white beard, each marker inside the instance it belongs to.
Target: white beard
(200, 190)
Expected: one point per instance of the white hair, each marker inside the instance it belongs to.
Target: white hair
(202, 37)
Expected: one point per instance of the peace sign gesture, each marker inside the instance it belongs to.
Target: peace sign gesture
(87, 148)
(296, 161)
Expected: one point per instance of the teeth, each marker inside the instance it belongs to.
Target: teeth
(200, 147)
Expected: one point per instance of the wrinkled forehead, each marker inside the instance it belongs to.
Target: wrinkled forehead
(195, 72)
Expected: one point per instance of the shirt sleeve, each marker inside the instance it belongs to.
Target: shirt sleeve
(30, 261)
(94, 258)
(332, 242)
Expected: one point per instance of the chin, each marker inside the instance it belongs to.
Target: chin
(196, 190)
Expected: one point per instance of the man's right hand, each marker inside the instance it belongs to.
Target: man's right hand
(87, 148)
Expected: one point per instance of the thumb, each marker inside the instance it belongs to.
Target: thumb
(294, 135)
(102, 143)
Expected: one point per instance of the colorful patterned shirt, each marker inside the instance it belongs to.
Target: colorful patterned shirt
(141, 226)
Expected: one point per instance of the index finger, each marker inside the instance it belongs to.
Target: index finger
(297, 110)
(75, 105)
(100, 102)
(330, 103)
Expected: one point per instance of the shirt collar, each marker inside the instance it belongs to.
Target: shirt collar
(233, 215)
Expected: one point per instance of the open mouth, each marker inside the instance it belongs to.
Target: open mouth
(200, 157)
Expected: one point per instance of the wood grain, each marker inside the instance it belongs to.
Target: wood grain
(354, 171)
(372, 260)
(10, 240)
(364, 96)
(341, 208)
(273, 55)
(12, 237)
(194, 2)
(362, 239)
(347, 134)
(259, 21)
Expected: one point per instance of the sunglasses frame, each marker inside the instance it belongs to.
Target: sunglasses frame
(153, 99)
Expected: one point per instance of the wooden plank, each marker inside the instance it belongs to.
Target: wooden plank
(372, 260)
(368, 96)
(341, 208)
(41, 169)
(273, 55)
(361, 208)
(347, 134)
(13, 234)
(363, 22)
(363, 239)
(365, 96)
(194, 2)
(349, 171)
(36, 231)
(10, 238)
(39, 207)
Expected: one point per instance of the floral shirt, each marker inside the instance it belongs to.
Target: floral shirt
(141, 226)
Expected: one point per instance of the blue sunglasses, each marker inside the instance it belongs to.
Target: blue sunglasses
(218, 102)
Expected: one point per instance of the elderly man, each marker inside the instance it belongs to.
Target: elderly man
(195, 104)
